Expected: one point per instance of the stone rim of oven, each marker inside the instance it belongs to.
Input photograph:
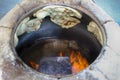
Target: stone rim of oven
(37, 9)
(87, 6)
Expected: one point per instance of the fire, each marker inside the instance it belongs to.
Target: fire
(78, 62)
(61, 54)
(34, 65)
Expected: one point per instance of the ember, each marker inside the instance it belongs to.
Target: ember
(34, 65)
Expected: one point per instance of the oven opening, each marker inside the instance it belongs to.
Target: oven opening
(58, 40)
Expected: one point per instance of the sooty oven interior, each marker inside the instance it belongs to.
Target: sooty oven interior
(57, 40)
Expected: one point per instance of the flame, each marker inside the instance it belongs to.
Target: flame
(61, 54)
(78, 62)
(34, 65)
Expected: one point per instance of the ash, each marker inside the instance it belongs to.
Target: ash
(55, 66)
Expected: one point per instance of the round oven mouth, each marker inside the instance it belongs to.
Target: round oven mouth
(48, 37)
